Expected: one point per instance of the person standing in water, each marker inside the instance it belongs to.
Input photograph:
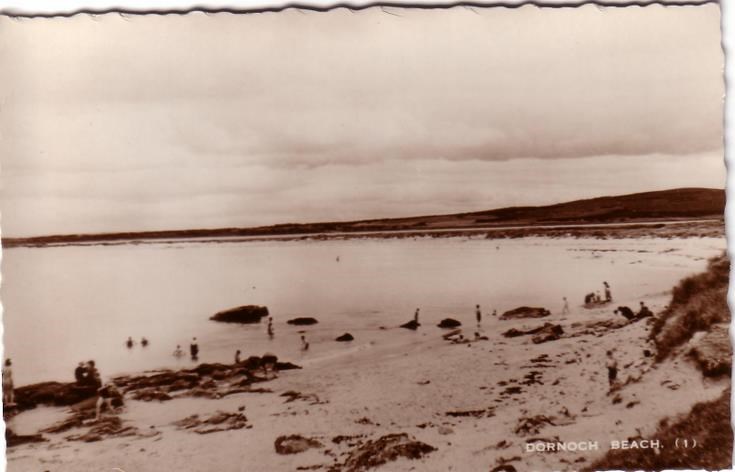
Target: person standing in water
(129, 343)
(178, 353)
(565, 308)
(304, 343)
(194, 349)
(270, 327)
(8, 388)
(143, 342)
(237, 356)
(608, 293)
(416, 316)
(478, 314)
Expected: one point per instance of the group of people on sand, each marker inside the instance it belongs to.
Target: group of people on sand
(595, 297)
(129, 343)
(629, 314)
(87, 376)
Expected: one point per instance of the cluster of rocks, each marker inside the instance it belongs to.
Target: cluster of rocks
(219, 421)
(388, 448)
(295, 444)
(541, 334)
(525, 312)
(211, 380)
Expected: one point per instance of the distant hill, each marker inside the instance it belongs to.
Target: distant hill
(683, 203)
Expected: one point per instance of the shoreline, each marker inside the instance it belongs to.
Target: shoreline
(473, 417)
(671, 228)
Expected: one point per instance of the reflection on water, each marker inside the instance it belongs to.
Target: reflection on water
(67, 304)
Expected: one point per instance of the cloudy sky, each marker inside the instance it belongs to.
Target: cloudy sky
(161, 122)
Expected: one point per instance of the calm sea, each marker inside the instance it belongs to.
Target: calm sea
(66, 304)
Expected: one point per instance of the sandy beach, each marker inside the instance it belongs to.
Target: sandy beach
(477, 404)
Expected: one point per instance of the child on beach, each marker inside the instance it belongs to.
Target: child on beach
(612, 369)
(105, 396)
(304, 344)
(608, 293)
(8, 394)
(178, 353)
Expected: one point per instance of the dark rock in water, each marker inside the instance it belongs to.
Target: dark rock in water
(504, 468)
(241, 314)
(385, 449)
(550, 332)
(12, 439)
(449, 323)
(52, 393)
(295, 444)
(525, 312)
(303, 321)
(413, 324)
(345, 337)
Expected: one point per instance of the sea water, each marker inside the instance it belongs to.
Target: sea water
(67, 304)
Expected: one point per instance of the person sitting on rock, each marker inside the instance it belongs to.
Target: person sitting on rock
(105, 395)
(93, 375)
(644, 311)
(626, 312)
(80, 374)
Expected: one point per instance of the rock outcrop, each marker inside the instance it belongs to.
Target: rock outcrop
(303, 321)
(385, 449)
(449, 323)
(241, 314)
(295, 444)
(52, 393)
(550, 332)
(525, 312)
(345, 338)
(413, 324)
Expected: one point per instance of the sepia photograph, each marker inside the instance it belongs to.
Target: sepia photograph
(385, 238)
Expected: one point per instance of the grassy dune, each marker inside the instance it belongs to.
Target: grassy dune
(698, 316)
(697, 303)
